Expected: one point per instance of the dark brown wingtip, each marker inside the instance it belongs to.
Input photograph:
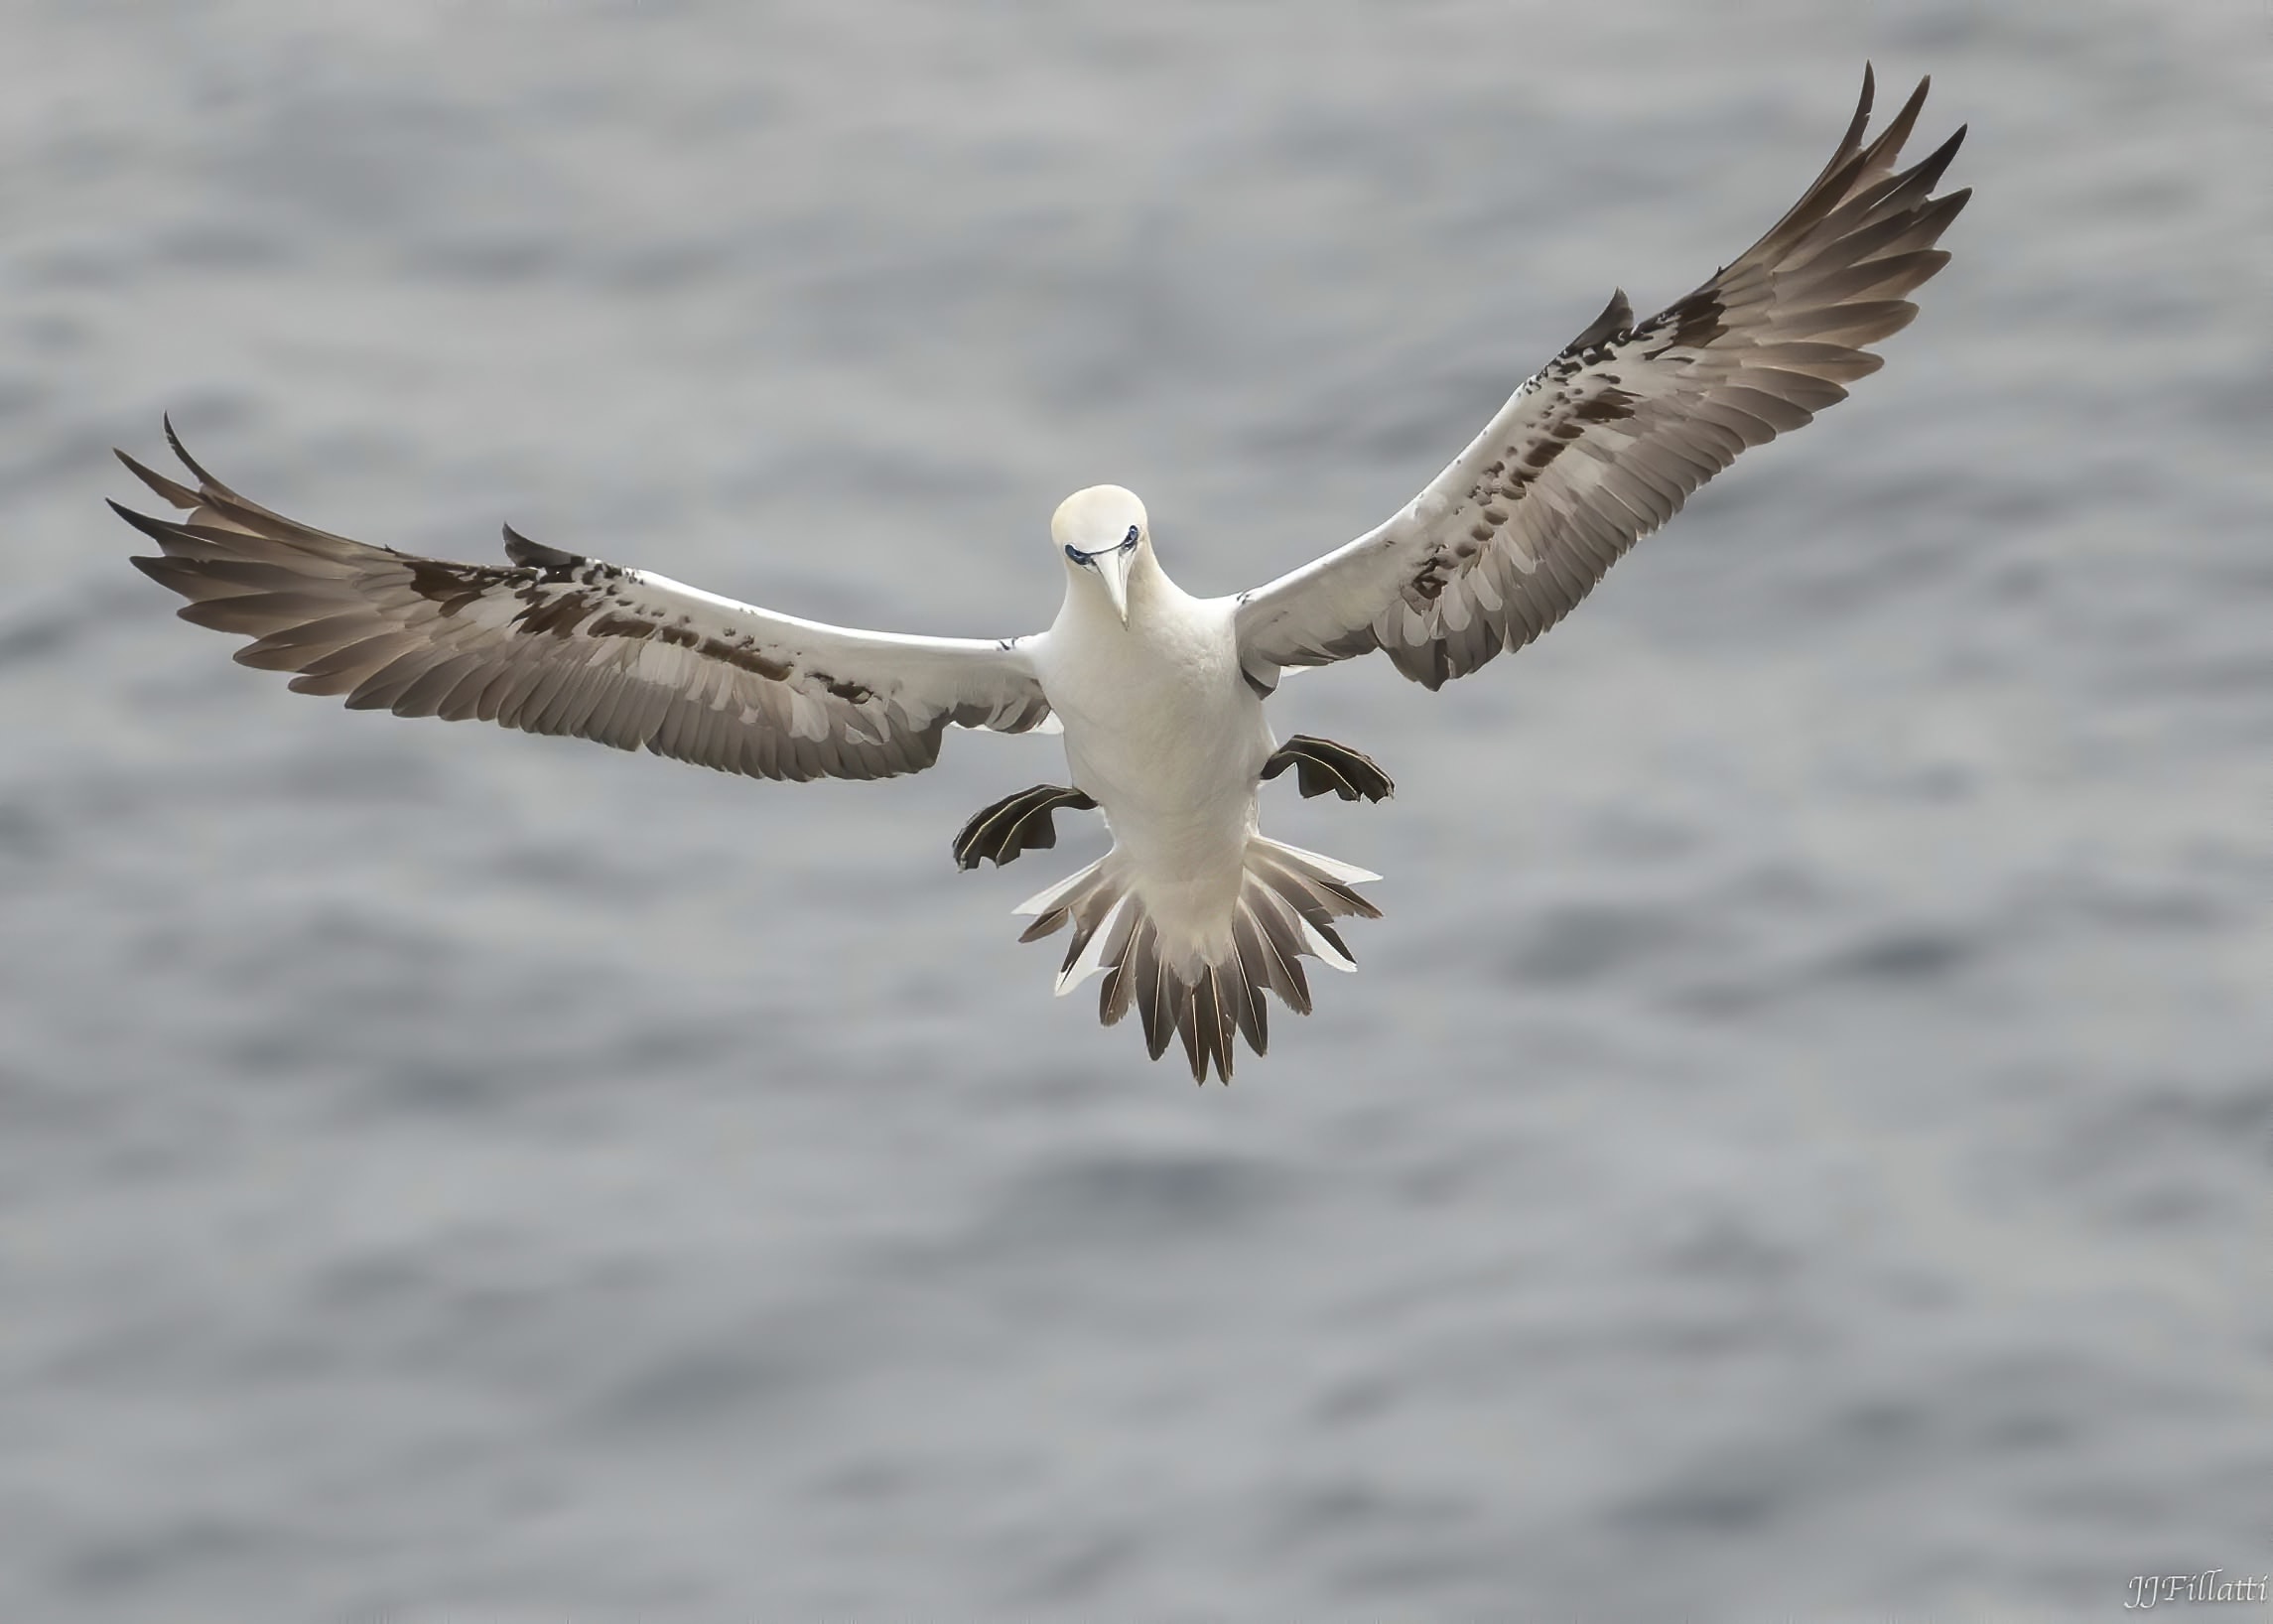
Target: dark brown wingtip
(1890, 140)
(157, 569)
(180, 496)
(1929, 168)
(157, 530)
(1848, 150)
(1861, 121)
(181, 451)
(1917, 96)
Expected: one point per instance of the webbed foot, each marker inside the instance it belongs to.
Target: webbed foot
(1320, 766)
(1017, 823)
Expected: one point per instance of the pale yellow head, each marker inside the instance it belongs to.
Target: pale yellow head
(1099, 533)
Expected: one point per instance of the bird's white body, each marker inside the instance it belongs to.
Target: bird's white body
(1165, 734)
(1194, 914)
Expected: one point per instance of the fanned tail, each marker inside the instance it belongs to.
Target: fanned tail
(1203, 985)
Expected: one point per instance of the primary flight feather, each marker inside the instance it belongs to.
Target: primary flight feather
(1193, 914)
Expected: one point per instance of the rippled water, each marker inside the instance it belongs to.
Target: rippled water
(1797, 1146)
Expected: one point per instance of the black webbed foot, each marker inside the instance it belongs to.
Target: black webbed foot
(1017, 823)
(1320, 766)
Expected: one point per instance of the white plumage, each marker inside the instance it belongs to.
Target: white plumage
(1193, 914)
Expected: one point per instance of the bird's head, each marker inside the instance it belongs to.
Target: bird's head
(1100, 532)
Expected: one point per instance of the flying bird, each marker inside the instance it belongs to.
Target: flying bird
(1193, 914)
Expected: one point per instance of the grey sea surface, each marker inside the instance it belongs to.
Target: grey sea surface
(1799, 1144)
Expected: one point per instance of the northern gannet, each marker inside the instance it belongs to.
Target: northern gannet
(1194, 914)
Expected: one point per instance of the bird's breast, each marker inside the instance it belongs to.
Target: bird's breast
(1159, 722)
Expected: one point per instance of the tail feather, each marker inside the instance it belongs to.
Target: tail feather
(1156, 987)
(1205, 989)
(1248, 1010)
(1121, 977)
(1279, 951)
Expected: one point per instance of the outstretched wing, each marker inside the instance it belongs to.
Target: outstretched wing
(555, 643)
(1603, 444)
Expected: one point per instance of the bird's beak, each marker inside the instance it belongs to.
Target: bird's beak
(1113, 570)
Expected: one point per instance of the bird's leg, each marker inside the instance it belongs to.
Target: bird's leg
(1016, 823)
(1320, 766)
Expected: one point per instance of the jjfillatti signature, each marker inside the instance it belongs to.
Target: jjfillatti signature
(2149, 1588)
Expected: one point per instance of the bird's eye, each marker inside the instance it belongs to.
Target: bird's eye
(1129, 540)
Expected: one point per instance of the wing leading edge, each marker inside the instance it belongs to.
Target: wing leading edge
(1603, 444)
(557, 643)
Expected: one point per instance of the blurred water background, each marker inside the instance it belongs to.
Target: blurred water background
(1797, 1146)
